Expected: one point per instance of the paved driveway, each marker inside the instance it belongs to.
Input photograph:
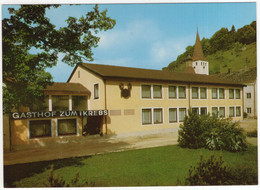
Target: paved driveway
(89, 146)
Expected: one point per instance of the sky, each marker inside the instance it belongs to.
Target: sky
(151, 35)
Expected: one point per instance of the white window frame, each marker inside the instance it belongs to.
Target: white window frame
(223, 94)
(152, 96)
(169, 91)
(248, 94)
(212, 94)
(235, 111)
(153, 116)
(203, 107)
(94, 91)
(233, 93)
(36, 138)
(218, 111)
(73, 135)
(160, 98)
(186, 112)
(176, 115)
(146, 108)
(198, 92)
(185, 92)
(239, 94)
(206, 93)
(248, 109)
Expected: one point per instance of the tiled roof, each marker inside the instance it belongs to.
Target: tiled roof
(118, 72)
(66, 88)
(198, 52)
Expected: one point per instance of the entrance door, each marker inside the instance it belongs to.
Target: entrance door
(94, 125)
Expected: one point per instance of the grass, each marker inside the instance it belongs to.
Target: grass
(145, 167)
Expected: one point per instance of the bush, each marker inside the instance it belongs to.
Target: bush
(252, 133)
(214, 171)
(212, 133)
(55, 181)
(208, 172)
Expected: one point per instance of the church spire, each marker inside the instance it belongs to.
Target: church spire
(198, 53)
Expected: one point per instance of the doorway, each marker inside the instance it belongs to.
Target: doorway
(94, 125)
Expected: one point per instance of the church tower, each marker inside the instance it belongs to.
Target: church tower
(199, 62)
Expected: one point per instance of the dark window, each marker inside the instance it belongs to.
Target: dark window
(195, 110)
(203, 93)
(214, 93)
(203, 111)
(237, 93)
(238, 111)
(60, 103)
(40, 128)
(40, 105)
(172, 92)
(248, 95)
(173, 115)
(67, 127)
(157, 91)
(182, 114)
(195, 92)
(182, 92)
(146, 91)
(146, 116)
(157, 115)
(221, 93)
(222, 112)
(248, 110)
(79, 103)
(231, 111)
(231, 93)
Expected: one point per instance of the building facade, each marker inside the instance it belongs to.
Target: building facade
(112, 100)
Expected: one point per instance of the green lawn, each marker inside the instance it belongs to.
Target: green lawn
(146, 167)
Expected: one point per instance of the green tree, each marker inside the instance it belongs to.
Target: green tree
(246, 35)
(28, 29)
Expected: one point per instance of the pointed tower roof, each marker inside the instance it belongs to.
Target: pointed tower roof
(198, 53)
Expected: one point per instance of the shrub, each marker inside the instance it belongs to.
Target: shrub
(208, 172)
(55, 181)
(214, 171)
(212, 133)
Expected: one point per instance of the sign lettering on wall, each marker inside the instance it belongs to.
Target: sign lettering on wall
(50, 114)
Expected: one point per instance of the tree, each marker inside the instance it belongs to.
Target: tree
(28, 29)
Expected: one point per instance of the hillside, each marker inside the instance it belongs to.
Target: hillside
(226, 51)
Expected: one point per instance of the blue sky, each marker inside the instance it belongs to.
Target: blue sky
(151, 35)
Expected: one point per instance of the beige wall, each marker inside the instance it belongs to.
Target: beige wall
(119, 122)
(20, 134)
(88, 80)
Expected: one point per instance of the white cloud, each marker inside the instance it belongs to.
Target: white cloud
(165, 51)
(138, 30)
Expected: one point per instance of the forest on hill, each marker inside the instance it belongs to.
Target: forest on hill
(226, 51)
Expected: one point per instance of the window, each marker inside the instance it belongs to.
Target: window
(67, 127)
(203, 111)
(221, 93)
(172, 91)
(214, 93)
(248, 95)
(79, 103)
(222, 112)
(157, 91)
(203, 93)
(231, 93)
(173, 115)
(96, 91)
(157, 115)
(195, 110)
(146, 91)
(248, 110)
(182, 92)
(214, 110)
(231, 111)
(237, 93)
(195, 92)
(60, 103)
(238, 111)
(39, 128)
(40, 105)
(182, 114)
(146, 116)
